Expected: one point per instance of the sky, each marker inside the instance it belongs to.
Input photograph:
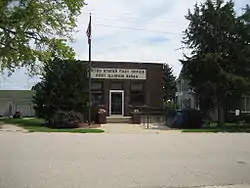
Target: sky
(122, 30)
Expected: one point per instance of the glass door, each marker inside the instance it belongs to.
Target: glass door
(116, 102)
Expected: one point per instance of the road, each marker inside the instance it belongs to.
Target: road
(62, 160)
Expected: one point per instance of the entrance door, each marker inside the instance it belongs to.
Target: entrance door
(116, 102)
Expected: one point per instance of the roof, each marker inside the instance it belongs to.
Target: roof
(181, 75)
(132, 62)
(24, 94)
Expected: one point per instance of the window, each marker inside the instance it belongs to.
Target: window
(179, 86)
(96, 86)
(197, 103)
(137, 86)
(97, 93)
(245, 107)
(247, 104)
(116, 86)
(137, 94)
(97, 97)
(137, 98)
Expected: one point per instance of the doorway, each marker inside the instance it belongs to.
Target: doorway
(116, 103)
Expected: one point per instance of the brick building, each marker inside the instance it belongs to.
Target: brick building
(122, 85)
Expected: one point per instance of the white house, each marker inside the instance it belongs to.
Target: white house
(16, 100)
(185, 95)
(186, 98)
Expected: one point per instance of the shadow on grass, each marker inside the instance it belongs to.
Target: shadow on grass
(38, 125)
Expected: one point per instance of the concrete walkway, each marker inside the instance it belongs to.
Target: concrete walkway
(108, 128)
(11, 128)
(228, 186)
(134, 128)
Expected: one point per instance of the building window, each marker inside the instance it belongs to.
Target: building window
(97, 97)
(137, 86)
(245, 107)
(96, 86)
(197, 103)
(137, 94)
(179, 86)
(97, 93)
(116, 86)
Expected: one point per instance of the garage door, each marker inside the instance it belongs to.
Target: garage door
(24, 109)
(5, 109)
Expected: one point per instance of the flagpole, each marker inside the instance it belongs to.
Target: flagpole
(90, 67)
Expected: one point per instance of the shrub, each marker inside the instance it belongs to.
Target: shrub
(192, 119)
(70, 119)
(169, 105)
(188, 119)
(17, 115)
(246, 118)
(232, 118)
(63, 86)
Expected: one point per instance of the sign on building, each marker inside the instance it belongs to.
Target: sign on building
(237, 112)
(116, 73)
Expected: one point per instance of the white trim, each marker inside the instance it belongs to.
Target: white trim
(110, 94)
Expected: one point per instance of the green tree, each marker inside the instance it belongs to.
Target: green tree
(37, 86)
(169, 84)
(220, 53)
(63, 88)
(36, 30)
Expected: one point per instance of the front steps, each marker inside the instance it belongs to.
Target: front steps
(118, 119)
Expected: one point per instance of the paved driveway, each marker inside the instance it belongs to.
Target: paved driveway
(62, 160)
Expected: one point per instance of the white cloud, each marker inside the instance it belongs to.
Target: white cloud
(140, 22)
(136, 30)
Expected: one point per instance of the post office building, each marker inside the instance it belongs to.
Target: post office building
(118, 86)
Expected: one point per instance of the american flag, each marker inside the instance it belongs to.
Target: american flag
(88, 32)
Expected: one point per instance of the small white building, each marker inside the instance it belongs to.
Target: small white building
(16, 100)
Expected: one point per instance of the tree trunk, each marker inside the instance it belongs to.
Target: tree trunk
(221, 112)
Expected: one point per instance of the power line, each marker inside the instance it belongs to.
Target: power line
(134, 18)
(114, 25)
(139, 29)
(119, 21)
(167, 24)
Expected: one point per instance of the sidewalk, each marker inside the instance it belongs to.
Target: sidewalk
(134, 128)
(11, 128)
(228, 186)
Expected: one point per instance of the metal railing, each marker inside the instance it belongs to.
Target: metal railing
(151, 116)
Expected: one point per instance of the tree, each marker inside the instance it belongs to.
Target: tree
(37, 86)
(63, 89)
(36, 30)
(220, 54)
(169, 86)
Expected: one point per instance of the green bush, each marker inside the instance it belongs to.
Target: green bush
(17, 115)
(246, 118)
(62, 119)
(188, 119)
(232, 118)
(63, 87)
(192, 119)
(169, 105)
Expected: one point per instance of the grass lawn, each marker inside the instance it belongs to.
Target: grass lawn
(37, 125)
(229, 127)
